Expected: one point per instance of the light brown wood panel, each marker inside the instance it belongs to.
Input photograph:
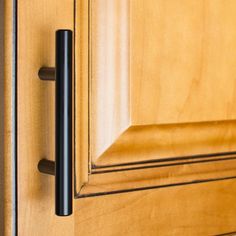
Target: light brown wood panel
(107, 105)
(109, 87)
(37, 23)
(153, 142)
(182, 58)
(7, 175)
(158, 176)
(1, 119)
(201, 209)
(156, 62)
(81, 93)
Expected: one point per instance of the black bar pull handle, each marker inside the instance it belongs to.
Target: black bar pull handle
(63, 122)
(62, 167)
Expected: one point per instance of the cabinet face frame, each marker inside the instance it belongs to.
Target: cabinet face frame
(92, 179)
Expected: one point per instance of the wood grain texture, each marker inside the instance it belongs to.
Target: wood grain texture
(155, 142)
(202, 209)
(37, 23)
(182, 59)
(109, 88)
(7, 222)
(1, 119)
(81, 93)
(156, 62)
(167, 174)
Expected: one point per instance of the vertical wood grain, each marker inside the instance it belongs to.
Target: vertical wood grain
(109, 90)
(8, 224)
(37, 23)
(208, 208)
(182, 61)
(1, 119)
(155, 63)
(81, 93)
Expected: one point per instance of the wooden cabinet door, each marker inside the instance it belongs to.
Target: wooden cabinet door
(160, 81)
(154, 117)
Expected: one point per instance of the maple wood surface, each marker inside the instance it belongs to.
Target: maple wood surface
(201, 209)
(7, 162)
(158, 64)
(37, 23)
(116, 93)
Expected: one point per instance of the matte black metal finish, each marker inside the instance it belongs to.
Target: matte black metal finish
(62, 167)
(63, 173)
(46, 167)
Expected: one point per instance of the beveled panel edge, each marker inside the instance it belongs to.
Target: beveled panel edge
(158, 143)
(109, 73)
(81, 91)
(163, 162)
(154, 178)
(97, 194)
